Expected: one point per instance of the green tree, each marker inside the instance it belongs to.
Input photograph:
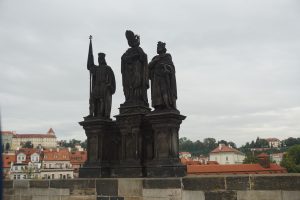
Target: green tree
(70, 143)
(250, 158)
(252, 144)
(223, 142)
(185, 144)
(232, 144)
(291, 160)
(262, 143)
(197, 148)
(27, 144)
(84, 144)
(291, 141)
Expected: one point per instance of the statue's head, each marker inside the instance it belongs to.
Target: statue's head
(132, 39)
(101, 58)
(161, 47)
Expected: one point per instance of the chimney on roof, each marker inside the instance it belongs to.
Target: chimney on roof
(57, 149)
(264, 160)
(220, 146)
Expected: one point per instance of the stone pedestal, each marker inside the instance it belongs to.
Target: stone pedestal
(165, 128)
(132, 126)
(102, 147)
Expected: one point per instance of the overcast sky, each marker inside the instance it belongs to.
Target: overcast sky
(237, 62)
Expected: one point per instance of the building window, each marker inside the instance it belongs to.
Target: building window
(226, 158)
(60, 176)
(18, 176)
(15, 176)
(52, 176)
(24, 176)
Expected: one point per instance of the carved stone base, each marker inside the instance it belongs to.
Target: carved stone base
(175, 170)
(131, 125)
(102, 147)
(165, 129)
(127, 171)
(140, 109)
(94, 172)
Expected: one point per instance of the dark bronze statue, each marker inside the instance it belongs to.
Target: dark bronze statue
(163, 81)
(134, 72)
(102, 86)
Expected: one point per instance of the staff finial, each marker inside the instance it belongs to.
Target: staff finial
(90, 37)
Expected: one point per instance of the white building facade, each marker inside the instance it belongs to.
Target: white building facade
(274, 142)
(226, 155)
(56, 164)
(47, 140)
(27, 165)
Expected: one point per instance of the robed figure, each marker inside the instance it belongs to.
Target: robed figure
(163, 81)
(102, 86)
(134, 68)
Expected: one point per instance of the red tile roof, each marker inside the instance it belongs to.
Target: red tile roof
(212, 162)
(34, 136)
(56, 155)
(78, 157)
(234, 169)
(49, 134)
(262, 155)
(224, 148)
(28, 152)
(7, 132)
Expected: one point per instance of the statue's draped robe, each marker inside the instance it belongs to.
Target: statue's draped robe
(134, 68)
(103, 87)
(163, 82)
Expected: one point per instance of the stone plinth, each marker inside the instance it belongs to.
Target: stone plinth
(165, 129)
(132, 126)
(102, 147)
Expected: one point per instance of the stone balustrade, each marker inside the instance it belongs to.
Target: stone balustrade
(225, 187)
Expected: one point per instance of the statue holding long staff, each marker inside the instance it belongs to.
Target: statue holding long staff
(102, 85)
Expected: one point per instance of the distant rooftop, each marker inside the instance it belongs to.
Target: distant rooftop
(235, 169)
(222, 148)
(49, 134)
(272, 139)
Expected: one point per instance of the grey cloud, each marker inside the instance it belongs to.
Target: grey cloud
(237, 62)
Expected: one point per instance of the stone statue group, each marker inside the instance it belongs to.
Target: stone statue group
(138, 143)
(136, 73)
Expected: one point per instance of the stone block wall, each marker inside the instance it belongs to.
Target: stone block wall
(225, 187)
